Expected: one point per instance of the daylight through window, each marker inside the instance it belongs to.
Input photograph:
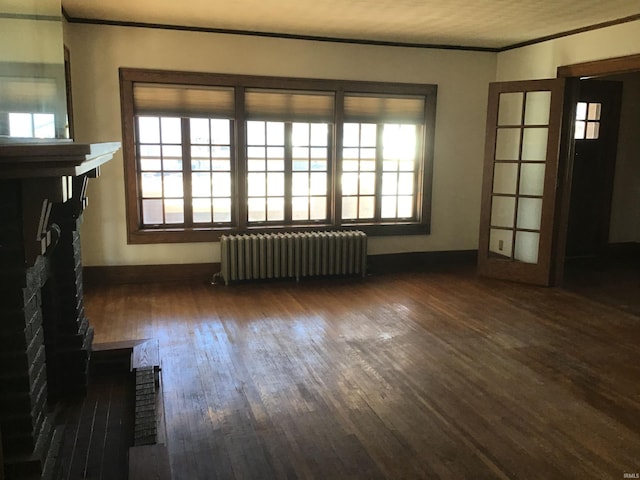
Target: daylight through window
(209, 154)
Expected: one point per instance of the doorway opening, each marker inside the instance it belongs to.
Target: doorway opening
(602, 255)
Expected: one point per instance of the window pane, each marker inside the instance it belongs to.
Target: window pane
(275, 208)
(367, 183)
(369, 153)
(173, 211)
(537, 108)
(318, 208)
(318, 183)
(351, 135)
(300, 183)
(300, 208)
(256, 184)
(220, 132)
(350, 208)
(255, 133)
(201, 210)
(275, 153)
(407, 165)
(405, 183)
(149, 129)
(369, 135)
(529, 213)
(390, 165)
(319, 134)
(367, 207)
(510, 108)
(503, 211)
(367, 165)
(257, 209)
(173, 185)
(350, 153)
(526, 247)
(151, 185)
(319, 165)
(508, 144)
(219, 151)
(399, 141)
(275, 184)
(349, 183)
(319, 152)
(405, 206)
(172, 164)
(221, 184)
(300, 153)
(199, 130)
(300, 165)
(593, 130)
(300, 134)
(218, 165)
(532, 179)
(222, 210)
(200, 152)
(389, 183)
(275, 133)
(388, 207)
(150, 164)
(350, 165)
(257, 153)
(201, 184)
(505, 178)
(171, 130)
(256, 165)
(152, 212)
(534, 144)
(275, 165)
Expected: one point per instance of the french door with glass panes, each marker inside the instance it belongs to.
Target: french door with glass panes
(520, 180)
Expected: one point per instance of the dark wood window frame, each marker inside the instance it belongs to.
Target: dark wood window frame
(138, 234)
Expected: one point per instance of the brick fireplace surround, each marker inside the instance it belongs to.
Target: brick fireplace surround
(45, 338)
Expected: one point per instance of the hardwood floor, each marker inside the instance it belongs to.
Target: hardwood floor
(402, 376)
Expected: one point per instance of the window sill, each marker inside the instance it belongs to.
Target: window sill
(186, 235)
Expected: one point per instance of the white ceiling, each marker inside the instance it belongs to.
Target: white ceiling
(492, 24)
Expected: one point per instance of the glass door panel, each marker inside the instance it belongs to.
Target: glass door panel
(521, 159)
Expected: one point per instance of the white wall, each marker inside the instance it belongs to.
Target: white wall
(542, 59)
(462, 78)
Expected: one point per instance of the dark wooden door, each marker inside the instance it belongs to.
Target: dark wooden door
(596, 137)
(520, 180)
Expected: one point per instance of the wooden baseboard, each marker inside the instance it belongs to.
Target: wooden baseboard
(126, 274)
(202, 272)
(416, 261)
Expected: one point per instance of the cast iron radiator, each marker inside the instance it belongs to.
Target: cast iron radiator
(288, 255)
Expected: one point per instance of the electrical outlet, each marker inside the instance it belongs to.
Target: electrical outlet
(500, 244)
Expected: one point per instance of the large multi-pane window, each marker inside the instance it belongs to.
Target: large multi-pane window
(184, 170)
(208, 154)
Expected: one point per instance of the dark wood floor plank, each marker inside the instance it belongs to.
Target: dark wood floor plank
(416, 375)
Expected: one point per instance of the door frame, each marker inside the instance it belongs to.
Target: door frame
(573, 73)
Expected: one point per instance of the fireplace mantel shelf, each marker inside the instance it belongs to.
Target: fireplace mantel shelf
(41, 160)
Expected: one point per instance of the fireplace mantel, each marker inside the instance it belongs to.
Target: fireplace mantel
(56, 159)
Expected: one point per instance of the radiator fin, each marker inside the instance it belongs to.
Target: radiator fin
(289, 255)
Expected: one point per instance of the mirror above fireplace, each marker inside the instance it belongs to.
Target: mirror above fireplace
(33, 99)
